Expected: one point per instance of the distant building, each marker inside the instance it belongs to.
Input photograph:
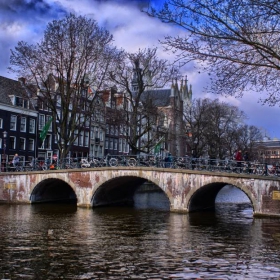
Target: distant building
(268, 151)
(171, 103)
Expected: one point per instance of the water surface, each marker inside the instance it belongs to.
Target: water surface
(66, 242)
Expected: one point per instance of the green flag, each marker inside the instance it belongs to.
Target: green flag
(157, 146)
(44, 132)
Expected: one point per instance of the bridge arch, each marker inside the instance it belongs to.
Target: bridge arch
(203, 197)
(120, 189)
(53, 190)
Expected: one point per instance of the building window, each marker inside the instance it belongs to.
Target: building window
(12, 144)
(58, 115)
(48, 118)
(19, 101)
(106, 144)
(47, 144)
(23, 124)
(87, 123)
(58, 101)
(1, 143)
(1, 123)
(115, 144)
(111, 144)
(41, 121)
(81, 138)
(86, 138)
(96, 132)
(76, 137)
(123, 148)
(22, 144)
(32, 126)
(92, 133)
(120, 144)
(31, 145)
(13, 124)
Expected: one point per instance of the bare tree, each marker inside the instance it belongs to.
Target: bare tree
(249, 138)
(237, 42)
(138, 75)
(68, 66)
(217, 129)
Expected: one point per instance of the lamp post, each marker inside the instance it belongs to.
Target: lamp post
(4, 150)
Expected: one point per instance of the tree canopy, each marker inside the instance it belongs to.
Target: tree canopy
(237, 42)
(68, 66)
(216, 129)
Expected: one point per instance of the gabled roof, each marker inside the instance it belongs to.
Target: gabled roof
(160, 97)
(10, 87)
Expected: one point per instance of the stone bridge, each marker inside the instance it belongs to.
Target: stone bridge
(186, 190)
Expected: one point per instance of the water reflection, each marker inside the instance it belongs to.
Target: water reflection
(66, 242)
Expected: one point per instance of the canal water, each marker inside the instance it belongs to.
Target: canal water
(145, 242)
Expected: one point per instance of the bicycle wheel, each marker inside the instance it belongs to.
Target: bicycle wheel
(113, 162)
(131, 162)
(18, 168)
(45, 166)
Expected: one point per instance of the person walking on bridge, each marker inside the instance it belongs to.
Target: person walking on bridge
(15, 160)
(238, 158)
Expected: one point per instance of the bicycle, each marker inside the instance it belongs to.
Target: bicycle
(122, 161)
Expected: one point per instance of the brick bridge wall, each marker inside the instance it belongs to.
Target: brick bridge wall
(186, 190)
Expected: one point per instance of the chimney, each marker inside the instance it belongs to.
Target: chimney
(22, 80)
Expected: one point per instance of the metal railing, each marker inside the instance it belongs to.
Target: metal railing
(202, 164)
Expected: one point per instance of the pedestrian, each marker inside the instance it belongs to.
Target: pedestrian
(238, 158)
(234, 154)
(15, 160)
(246, 158)
(194, 159)
(168, 160)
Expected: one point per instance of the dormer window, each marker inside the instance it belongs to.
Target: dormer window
(21, 102)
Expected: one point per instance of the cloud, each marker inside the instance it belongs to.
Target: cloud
(132, 29)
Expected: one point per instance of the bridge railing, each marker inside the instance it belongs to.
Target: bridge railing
(206, 164)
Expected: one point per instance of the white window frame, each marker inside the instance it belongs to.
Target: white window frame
(81, 139)
(86, 138)
(13, 122)
(42, 121)
(15, 143)
(32, 125)
(31, 143)
(24, 143)
(23, 124)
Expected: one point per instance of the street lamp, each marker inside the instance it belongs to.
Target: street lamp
(5, 133)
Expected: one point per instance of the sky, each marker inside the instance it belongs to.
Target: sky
(26, 20)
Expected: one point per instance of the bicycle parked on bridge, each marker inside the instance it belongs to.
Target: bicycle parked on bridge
(122, 160)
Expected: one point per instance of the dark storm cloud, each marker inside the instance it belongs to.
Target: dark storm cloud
(29, 10)
(24, 20)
